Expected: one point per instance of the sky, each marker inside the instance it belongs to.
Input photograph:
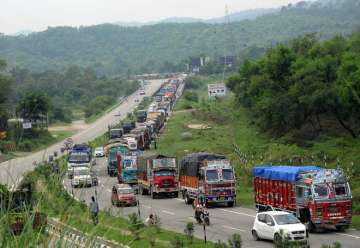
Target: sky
(37, 15)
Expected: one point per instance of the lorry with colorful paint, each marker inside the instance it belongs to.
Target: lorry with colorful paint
(319, 197)
(157, 175)
(209, 176)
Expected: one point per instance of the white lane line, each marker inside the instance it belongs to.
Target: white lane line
(179, 199)
(108, 190)
(348, 235)
(167, 212)
(190, 218)
(233, 228)
(234, 212)
(102, 185)
(146, 206)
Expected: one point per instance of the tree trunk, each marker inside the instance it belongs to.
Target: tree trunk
(343, 124)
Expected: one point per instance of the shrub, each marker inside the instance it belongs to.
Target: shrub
(189, 231)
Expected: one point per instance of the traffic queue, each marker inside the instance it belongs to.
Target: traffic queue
(291, 201)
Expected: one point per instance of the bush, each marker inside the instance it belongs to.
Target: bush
(191, 96)
(189, 231)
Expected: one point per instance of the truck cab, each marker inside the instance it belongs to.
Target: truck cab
(323, 199)
(78, 159)
(115, 133)
(158, 175)
(112, 166)
(129, 170)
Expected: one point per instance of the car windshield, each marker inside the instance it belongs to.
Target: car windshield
(227, 174)
(164, 173)
(286, 219)
(80, 157)
(125, 190)
(212, 175)
(99, 149)
(321, 190)
(128, 164)
(81, 172)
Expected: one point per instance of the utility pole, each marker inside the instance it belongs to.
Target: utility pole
(205, 232)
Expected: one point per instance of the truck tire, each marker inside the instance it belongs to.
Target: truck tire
(153, 194)
(176, 194)
(230, 204)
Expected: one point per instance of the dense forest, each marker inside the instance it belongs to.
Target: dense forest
(112, 49)
(304, 87)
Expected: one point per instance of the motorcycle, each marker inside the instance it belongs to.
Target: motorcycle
(203, 217)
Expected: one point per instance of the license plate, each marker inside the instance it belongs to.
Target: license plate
(222, 198)
(333, 210)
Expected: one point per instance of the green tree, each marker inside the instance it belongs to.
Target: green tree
(34, 105)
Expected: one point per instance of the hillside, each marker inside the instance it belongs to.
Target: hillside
(112, 49)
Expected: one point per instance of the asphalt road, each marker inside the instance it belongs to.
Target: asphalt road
(174, 215)
(12, 171)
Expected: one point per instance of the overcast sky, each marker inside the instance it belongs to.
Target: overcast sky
(36, 15)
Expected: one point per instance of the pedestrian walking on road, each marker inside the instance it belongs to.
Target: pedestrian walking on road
(94, 210)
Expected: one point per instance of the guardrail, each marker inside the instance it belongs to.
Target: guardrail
(70, 235)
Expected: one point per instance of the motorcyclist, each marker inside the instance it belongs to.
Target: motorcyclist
(198, 212)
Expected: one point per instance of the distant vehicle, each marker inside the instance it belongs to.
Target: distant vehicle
(136, 100)
(157, 175)
(123, 195)
(142, 92)
(319, 197)
(279, 225)
(83, 176)
(141, 116)
(115, 132)
(112, 163)
(208, 175)
(99, 152)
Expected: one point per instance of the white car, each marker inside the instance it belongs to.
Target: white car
(99, 152)
(83, 176)
(279, 225)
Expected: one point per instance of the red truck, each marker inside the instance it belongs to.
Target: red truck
(320, 198)
(157, 175)
(208, 175)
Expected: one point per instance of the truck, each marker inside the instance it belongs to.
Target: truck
(158, 118)
(209, 176)
(113, 150)
(128, 171)
(320, 198)
(128, 126)
(157, 175)
(79, 156)
(115, 133)
(141, 116)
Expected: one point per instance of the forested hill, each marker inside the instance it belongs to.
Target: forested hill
(112, 49)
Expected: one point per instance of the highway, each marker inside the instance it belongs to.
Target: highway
(12, 171)
(174, 214)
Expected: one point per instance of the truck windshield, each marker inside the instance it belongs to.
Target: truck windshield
(227, 174)
(128, 164)
(164, 173)
(79, 157)
(286, 219)
(340, 189)
(321, 190)
(212, 175)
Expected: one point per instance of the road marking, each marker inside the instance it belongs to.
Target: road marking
(167, 212)
(348, 235)
(233, 228)
(190, 218)
(145, 206)
(102, 185)
(108, 190)
(234, 212)
(179, 199)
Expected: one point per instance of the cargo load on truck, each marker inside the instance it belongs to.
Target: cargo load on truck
(319, 197)
(157, 175)
(141, 116)
(207, 176)
(115, 133)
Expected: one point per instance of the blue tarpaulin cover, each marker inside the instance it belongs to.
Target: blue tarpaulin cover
(282, 173)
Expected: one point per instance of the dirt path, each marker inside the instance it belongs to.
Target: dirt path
(74, 126)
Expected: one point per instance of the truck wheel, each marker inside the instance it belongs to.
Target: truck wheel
(152, 193)
(176, 194)
(340, 228)
(230, 204)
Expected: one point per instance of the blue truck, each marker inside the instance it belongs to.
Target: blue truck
(79, 156)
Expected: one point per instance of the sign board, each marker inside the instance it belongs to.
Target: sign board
(27, 125)
(218, 163)
(164, 162)
(216, 90)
